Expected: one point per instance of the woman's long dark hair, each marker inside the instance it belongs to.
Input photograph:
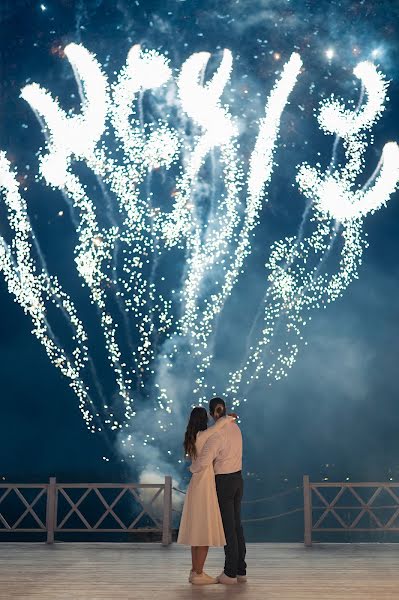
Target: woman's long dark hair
(198, 421)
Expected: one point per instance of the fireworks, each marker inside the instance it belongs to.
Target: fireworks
(146, 324)
(330, 53)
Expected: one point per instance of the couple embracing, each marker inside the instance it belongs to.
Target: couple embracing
(212, 508)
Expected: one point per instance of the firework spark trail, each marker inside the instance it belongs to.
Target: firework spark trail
(155, 245)
(68, 204)
(141, 72)
(374, 174)
(202, 104)
(350, 126)
(287, 265)
(55, 291)
(32, 289)
(300, 234)
(282, 318)
(75, 222)
(337, 138)
(190, 132)
(260, 170)
(215, 250)
(80, 13)
(78, 135)
(335, 227)
(108, 202)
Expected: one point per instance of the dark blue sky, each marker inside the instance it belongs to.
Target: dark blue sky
(338, 405)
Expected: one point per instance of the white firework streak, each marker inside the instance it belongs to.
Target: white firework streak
(143, 71)
(260, 171)
(33, 290)
(216, 254)
(299, 236)
(76, 137)
(336, 203)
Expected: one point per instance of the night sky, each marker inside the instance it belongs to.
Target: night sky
(336, 414)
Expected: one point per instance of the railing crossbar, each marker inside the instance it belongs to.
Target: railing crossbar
(6, 494)
(107, 530)
(29, 509)
(2, 519)
(53, 491)
(109, 508)
(105, 485)
(393, 495)
(6, 525)
(21, 486)
(146, 508)
(330, 507)
(359, 484)
(362, 506)
(74, 508)
(368, 508)
(361, 529)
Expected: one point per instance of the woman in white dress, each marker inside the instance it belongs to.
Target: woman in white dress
(201, 523)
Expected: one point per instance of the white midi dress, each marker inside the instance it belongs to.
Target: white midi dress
(201, 522)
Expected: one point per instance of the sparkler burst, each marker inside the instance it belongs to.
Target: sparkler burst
(149, 321)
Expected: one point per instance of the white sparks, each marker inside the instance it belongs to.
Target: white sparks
(330, 53)
(146, 323)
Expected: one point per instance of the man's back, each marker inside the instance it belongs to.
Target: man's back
(229, 457)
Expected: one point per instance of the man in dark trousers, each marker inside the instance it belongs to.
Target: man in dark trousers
(224, 450)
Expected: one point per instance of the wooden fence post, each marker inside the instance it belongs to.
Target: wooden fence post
(51, 510)
(307, 510)
(167, 512)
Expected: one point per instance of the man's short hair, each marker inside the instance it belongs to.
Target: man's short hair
(214, 402)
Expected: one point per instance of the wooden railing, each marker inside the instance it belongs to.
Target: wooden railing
(344, 507)
(53, 518)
